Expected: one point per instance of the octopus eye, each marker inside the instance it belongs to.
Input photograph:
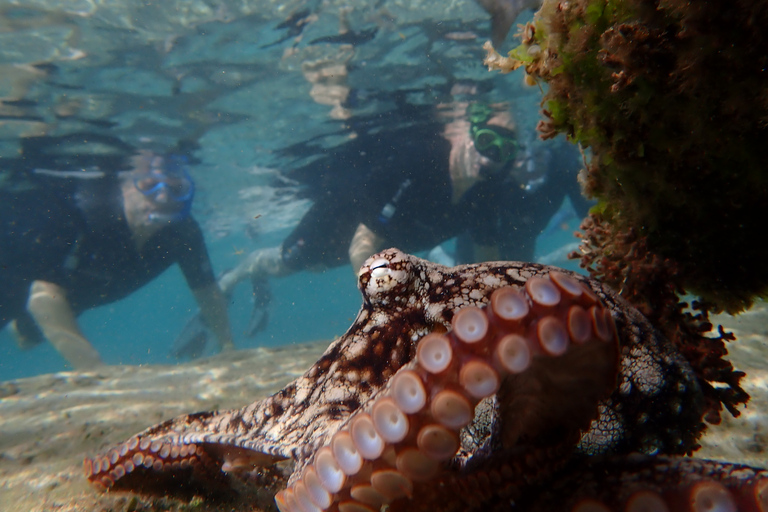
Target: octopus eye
(379, 267)
(384, 274)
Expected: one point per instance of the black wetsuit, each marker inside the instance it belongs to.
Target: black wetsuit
(73, 233)
(398, 184)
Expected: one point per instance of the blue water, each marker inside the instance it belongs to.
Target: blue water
(204, 71)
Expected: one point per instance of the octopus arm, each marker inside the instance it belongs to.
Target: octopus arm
(184, 457)
(641, 482)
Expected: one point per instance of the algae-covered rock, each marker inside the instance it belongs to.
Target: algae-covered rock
(671, 97)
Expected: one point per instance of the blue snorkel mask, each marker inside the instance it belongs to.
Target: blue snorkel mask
(169, 186)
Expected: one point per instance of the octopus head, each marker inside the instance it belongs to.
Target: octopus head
(385, 276)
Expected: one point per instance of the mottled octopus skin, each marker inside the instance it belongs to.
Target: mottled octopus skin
(634, 483)
(613, 483)
(646, 400)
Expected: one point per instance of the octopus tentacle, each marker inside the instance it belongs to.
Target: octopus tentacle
(174, 452)
(635, 483)
(407, 434)
(640, 483)
(126, 466)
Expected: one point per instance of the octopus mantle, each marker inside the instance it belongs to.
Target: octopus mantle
(502, 385)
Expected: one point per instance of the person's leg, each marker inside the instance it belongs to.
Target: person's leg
(48, 305)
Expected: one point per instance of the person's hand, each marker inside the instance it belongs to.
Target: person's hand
(228, 280)
(262, 296)
(193, 339)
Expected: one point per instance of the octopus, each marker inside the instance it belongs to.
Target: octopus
(491, 386)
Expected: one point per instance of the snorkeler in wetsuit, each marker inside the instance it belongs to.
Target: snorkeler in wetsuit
(73, 240)
(416, 187)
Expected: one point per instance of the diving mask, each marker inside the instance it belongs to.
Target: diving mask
(494, 142)
(169, 186)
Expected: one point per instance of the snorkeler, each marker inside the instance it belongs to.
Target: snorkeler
(76, 239)
(415, 187)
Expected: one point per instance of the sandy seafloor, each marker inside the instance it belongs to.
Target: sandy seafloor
(50, 422)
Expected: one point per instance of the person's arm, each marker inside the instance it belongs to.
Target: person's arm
(213, 308)
(364, 244)
(48, 305)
